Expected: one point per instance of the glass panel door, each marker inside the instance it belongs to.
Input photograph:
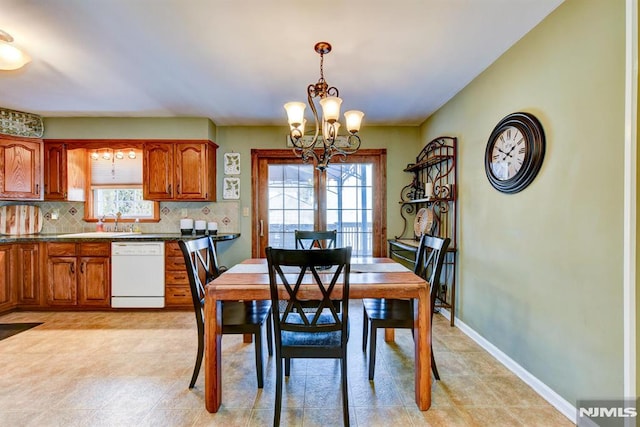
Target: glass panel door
(349, 192)
(289, 195)
(292, 202)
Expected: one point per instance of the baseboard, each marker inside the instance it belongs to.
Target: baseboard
(558, 402)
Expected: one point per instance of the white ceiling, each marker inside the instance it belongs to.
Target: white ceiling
(238, 61)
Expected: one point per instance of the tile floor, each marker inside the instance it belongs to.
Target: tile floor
(133, 369)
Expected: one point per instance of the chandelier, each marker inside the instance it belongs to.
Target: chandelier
(316, 148)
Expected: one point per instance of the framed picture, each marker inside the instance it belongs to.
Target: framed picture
(232, 163)
(231, 188)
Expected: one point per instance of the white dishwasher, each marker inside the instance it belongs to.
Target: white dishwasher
(137, 274)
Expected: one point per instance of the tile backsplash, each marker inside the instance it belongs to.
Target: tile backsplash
(226, 214)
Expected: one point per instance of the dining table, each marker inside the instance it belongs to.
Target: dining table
(369, 278)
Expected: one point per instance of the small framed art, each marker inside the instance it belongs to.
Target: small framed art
(231, 188)
(232, 163)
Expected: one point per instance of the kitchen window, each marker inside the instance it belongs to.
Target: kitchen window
(116, 186)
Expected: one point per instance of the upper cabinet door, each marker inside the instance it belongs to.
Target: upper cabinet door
(158, 171)
(21, 169)
(55, 172)
(191, 172)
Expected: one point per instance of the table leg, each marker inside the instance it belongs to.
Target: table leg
(212, 351)
(389, 334)
(422, 338)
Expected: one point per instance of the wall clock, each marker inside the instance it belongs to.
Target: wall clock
(515, 152)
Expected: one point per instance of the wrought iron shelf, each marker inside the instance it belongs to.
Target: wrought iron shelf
(430, 161)
(433, 187)
(429, 200)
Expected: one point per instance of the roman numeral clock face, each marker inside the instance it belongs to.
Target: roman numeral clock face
(514, 153)
(508, 154)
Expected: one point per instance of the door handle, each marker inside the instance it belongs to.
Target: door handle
(72, 269)
(37, 188)
(169, 189)
(261, 228)
(82, 267)
(178, 188)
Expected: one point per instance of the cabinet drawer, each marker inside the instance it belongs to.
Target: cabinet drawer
(61, 249)
(178, 296)
(172, 249)
(173, 263)
(177, 278)
(94, 249)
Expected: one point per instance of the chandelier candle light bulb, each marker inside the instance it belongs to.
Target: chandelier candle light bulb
(331, 108)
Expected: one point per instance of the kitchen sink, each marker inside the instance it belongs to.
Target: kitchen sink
(101, 234)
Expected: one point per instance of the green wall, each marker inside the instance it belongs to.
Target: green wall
(129, 127)
(541, 271)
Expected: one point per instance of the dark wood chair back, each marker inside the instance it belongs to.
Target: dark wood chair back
(202, 267)
(238, 317)
(430, 261)
(315, 239)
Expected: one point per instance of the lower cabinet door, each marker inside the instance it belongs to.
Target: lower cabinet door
(28, 272)
(62, 281)
(93, 285)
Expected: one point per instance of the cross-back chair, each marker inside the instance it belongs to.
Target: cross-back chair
(295, 276)
(238, 317)
(398, 313)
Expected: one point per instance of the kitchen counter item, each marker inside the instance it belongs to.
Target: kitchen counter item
(20, 219)
(186, 226)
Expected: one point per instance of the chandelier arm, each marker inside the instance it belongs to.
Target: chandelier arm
(311, 93)
(333, 91)
(353, 145)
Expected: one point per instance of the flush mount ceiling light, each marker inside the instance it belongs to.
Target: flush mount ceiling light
(330, 144)
(11, 58)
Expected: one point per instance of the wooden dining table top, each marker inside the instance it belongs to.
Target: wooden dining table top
(369, 278)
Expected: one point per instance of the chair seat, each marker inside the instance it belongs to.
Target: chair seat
(238, 313)
(303, 339)
(389, 310)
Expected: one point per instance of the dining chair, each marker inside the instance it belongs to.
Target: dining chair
(325, 239)
(312, 334)
(398, 313)
(238, 317)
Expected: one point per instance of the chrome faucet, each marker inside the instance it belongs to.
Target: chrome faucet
(118, 215)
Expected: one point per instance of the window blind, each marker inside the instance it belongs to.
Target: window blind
(117, 171)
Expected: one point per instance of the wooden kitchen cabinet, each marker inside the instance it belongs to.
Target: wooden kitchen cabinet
(177, 290)
(7, 299)
(64, 172)
(28, 274)
(184, 171)
(79, 274)
(21, 168)
(93, 284)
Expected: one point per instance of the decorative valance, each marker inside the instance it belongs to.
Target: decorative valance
(18, 123)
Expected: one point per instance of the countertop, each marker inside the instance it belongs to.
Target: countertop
(31, 238)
